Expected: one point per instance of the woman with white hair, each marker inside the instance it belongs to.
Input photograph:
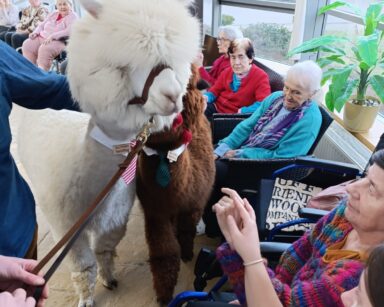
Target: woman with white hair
(9, 16)
(225, 36)
(31, 17)
(44, 44)
(285, 125)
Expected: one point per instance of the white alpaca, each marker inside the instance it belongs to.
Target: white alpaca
(111, 53)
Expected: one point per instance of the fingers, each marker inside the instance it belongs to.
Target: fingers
(232, 194)
(29, 278)
(249, 209)
(20, 295)
(232, 226)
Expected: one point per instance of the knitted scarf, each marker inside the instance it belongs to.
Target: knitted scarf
(268, 139)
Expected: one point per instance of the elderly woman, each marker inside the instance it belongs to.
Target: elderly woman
(226, 35)
(44, 43)
(240, 85)
(9, 16)
(31, 17)
(319, 266)
(370, 291)
(285, 125)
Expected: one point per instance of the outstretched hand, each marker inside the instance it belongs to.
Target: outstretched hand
(225, 207)
(244, 235)
(15, 273)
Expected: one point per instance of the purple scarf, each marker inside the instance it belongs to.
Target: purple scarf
(272, 136)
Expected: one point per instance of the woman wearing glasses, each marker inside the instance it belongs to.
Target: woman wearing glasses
(226, 35)
(285, 125)
(240, 85)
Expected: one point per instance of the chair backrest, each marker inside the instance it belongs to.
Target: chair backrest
(210, 50)
(326, 121)
(276, 81)
(223, 125)
(307, 170)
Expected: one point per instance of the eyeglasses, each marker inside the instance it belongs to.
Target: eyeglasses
(221, 39)
(294, 93)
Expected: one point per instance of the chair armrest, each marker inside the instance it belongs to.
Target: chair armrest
(273, 251)
(312, 213)
(231, 115)
(273, 247)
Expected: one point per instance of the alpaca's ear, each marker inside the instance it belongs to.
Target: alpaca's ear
(92, 7)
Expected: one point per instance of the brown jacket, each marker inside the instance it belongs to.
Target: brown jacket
(31, 17)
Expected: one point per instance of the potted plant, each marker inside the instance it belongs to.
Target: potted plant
(352, 67)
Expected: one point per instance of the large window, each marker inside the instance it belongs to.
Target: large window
(345, 27)
(362, 4)
(269, 31)
(207, 17)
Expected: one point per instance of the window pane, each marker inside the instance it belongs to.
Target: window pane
(207, 17)
(269, 31)
(362, 4)
(340, 27)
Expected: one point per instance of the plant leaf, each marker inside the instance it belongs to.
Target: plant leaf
(337, 4)
(329, 101)
(316, 43)
(346, 94)
(377, 83)
(356, 52)
(333, 50)
(324, 61)
(368, 48)
(372, 18)
(337, 89)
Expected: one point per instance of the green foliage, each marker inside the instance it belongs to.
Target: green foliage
(227, 20)
(269, 39)
(354, 72)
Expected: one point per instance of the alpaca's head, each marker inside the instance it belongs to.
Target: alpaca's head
(112, 51)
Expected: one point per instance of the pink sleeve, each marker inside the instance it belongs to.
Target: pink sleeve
(70, 19)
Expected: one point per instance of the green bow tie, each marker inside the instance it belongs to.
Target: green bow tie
(163, 176)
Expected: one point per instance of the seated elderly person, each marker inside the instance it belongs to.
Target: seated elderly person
(44, 43)
(31, 17)
(240, 85)
(318, 267)
(226, 35)
(284, 126)
(9, 16)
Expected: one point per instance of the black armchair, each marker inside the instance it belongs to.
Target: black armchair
(223, 125)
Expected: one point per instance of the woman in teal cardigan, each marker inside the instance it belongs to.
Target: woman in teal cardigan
(285, 125)
(297, 140)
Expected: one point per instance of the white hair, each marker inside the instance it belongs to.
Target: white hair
(308, 74)
(230, 32)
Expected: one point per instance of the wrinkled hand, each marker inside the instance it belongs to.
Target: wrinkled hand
(244, 235)
(17, 298)
(33, 35)
(205, 102)
(199, 60)
(230, 154)
(225, 207)
(47, 41)
(15, 273)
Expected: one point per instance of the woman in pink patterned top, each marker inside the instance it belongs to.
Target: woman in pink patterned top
(44, 42)
(225, 36)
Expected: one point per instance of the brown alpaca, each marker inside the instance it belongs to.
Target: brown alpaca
(172, 212)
